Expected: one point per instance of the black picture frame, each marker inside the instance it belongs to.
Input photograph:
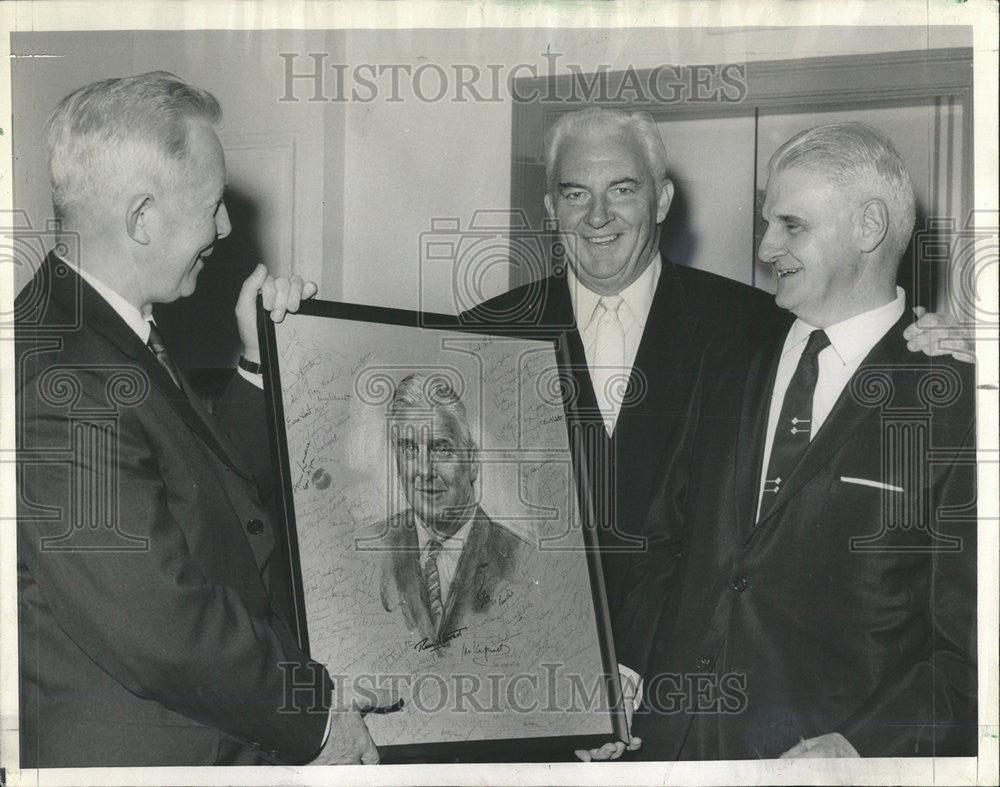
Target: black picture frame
(506, 749)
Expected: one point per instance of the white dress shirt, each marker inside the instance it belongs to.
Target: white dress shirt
(447, 559)
(140, 324)
(133, 318)
(850, 341)
(637, 299)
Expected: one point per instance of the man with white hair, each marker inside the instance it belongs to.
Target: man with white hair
(632, 324)
(824, 604)
(148, 635)
(447, 562)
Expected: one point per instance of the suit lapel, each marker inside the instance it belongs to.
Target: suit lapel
(98, 316)
(558, 313)
(844, 419)
(664, 348)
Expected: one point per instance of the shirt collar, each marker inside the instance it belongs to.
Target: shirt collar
(130, 314)
(853, 338)
(638, 296)
(456, 542)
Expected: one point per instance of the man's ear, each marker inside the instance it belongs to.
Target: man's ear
(663, 200)
(873, 224)
(137, 218)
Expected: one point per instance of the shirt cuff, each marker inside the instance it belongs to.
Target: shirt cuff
(254, 379)
(630, 676)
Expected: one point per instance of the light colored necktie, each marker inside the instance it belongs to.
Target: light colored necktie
(609, 374)
(433, 581)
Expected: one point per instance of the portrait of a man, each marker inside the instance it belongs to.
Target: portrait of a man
(445, 559)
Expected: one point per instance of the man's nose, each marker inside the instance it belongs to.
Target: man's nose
(769, 250)
(424, 465)
(599, 213)
(222, 225)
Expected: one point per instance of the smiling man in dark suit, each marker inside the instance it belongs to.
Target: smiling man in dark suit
(824, 600)
(445, 560)
(632, 324)
(148, 635)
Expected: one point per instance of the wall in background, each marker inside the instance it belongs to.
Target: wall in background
(371, 176)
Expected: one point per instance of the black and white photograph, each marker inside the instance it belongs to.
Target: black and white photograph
(477, 392)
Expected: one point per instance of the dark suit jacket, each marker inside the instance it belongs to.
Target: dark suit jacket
(848, 608)
(147, 633)
(689, 308)
(489, 555)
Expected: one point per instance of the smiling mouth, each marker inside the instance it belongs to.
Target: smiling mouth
(786, 272)
(603, 240)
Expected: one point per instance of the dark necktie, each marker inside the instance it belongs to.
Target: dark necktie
(791, 435)
(433, 581)
(155, 344)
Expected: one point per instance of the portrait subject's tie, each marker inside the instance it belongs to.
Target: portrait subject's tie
(608, 374)
(155, 344)
(794, 428)
(433, 581)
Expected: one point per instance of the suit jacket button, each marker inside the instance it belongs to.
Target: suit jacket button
(740, 584)
(705, 662)
(255, 527)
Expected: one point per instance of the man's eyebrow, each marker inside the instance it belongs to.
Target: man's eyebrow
(617, 182)
(789, 217)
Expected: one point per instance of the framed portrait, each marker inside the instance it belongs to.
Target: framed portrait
(439, 543)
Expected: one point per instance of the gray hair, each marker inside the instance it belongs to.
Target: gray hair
(639, 124)
(108, 130)
(432, 394)
(861, 160)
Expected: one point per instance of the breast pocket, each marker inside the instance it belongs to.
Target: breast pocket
(872, 484)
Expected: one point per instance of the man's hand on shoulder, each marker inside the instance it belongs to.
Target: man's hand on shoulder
(936, 333)
(281, 295)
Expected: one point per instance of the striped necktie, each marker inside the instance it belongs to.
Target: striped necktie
(794, 427)
(433, 581)
(156, 346)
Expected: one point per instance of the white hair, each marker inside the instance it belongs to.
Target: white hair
(862, 161)
(640, 124)
(122, 128)
(432, 394)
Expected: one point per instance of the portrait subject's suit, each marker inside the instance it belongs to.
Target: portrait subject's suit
(851, 606)
(689, 307)
(489, 556)
(147, 632)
